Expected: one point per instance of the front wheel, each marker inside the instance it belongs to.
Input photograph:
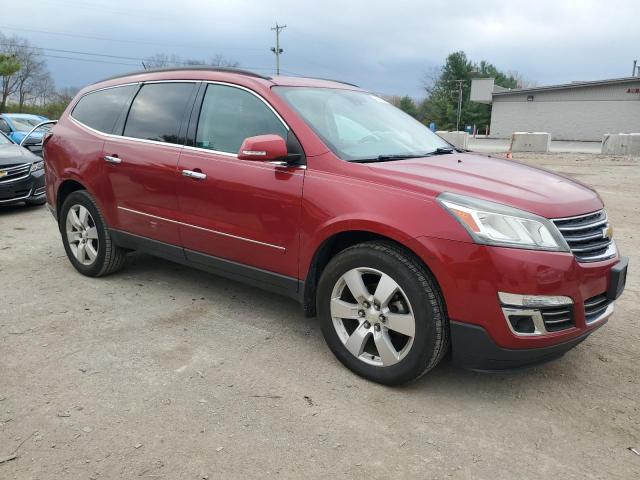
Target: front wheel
(381, 313)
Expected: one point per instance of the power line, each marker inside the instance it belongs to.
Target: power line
(277, 50)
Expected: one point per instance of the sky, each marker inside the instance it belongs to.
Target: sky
(384, 46)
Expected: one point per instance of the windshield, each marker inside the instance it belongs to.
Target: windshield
(359, 125)
(24, 124)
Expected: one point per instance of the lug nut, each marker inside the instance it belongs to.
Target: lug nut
(361, 313)
(366, 304)
(376, 306)
(382, 318)
(377, 327)
(366, 324)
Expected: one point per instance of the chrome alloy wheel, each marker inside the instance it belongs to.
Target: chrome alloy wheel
(82, 234)
(372, 316)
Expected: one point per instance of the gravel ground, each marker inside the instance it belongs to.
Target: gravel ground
(161, 371)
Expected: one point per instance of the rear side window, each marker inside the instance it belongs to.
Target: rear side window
(229, 115)
(157, 112)
(100, 110)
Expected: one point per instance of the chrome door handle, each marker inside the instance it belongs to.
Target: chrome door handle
(110, 159)
(195, 175)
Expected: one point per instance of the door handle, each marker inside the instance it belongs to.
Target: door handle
(112, 159)
(194, 175)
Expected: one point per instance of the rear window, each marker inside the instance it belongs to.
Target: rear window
(158, 111)
(100, 110)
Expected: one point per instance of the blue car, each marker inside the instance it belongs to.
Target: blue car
(17, 125)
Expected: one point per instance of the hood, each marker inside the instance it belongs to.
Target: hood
(11, 154)
(495, 179)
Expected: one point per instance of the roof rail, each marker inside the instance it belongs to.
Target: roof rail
(210, 68)
(332, 80)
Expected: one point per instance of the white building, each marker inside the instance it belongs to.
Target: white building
(574, 111)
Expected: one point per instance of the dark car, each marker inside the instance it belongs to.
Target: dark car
(21, 175)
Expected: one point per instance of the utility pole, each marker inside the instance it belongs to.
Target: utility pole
(277, 50)
(460, 83)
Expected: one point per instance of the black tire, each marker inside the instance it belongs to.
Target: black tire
(110, 257)
(431, 340)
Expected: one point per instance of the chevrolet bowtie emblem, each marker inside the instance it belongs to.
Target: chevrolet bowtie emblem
(3, 173)
(607, 232)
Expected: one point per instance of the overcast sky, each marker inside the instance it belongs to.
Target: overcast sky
(384, 46)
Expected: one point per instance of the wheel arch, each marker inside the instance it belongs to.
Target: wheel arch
(66, 188)
(338, 242)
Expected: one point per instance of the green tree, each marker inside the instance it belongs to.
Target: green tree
(441, 105)
(407, 105)
(9, 66)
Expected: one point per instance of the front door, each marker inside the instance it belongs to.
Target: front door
(244, 211)
(141, 165)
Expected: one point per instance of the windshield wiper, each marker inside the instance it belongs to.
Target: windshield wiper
(404, 156)
(442, 150)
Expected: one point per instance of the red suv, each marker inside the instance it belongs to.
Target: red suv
(403, 246)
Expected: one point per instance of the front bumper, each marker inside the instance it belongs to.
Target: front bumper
(471, 276)
(30, 188)
(473, 349)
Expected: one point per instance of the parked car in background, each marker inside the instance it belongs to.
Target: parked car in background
(17, 125)
(405, 247)
(21, 174)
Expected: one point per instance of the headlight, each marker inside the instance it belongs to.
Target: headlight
(492, 223)
(35, 166)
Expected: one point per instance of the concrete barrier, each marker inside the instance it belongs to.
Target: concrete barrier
(530, 142)
(457, 139)
(621, 143)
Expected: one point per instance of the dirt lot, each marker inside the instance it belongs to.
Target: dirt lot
(161, 371)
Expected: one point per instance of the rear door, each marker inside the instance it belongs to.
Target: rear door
(239, 210)
(141, 165)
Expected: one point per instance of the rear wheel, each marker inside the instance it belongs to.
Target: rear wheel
(86, 238)
(381, 313)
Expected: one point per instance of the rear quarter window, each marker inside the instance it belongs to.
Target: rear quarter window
(100, 110)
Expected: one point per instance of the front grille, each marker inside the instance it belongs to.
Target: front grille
(594, 307)
(557, 318)
(587, 236)
(10, 173)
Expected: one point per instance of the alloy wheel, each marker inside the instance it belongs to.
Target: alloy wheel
(82, 234)
(372, 316)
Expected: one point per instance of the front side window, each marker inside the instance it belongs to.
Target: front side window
(100, 110)
(158, 111)
(358, 125)
(4, 140)
(22, 124)
(229, 115)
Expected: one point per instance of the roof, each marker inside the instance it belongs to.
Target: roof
(21, 115)
(204, 72)
(566, 86)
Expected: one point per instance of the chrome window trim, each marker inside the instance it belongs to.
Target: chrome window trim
(217, 232)
(99, 90)
(155, 142)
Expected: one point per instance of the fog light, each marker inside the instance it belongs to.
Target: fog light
(524, 313)
(533, 300)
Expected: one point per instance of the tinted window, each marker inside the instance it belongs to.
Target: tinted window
(157, 112)
(229, 115)
(100, 110)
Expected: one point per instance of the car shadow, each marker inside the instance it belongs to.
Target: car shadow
(284, 314)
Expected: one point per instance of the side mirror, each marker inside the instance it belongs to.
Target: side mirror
(31, 141)
(263, 148)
